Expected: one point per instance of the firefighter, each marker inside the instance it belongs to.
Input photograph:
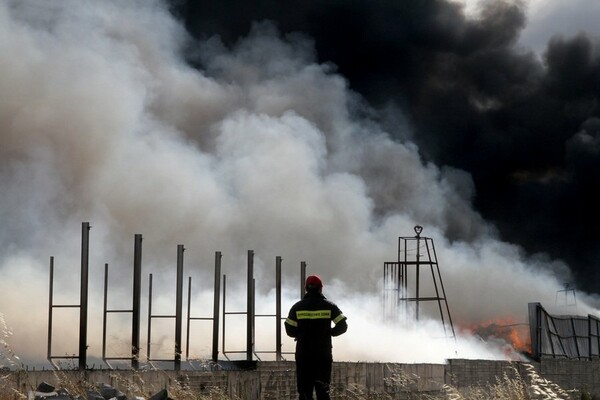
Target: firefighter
(309, 323)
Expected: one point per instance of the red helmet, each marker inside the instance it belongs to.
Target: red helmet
(313, 281)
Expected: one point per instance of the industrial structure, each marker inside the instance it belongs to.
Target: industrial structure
(414, 282)
(218, 317)
(412, 288)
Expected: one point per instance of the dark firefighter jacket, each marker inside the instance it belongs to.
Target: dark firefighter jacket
(309, 321)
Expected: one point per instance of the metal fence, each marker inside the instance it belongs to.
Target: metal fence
(563, 336)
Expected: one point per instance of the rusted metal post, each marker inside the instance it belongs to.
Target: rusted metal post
(50, 291)
(179, 307)
(249, 306)
(217, 290)
(83, 303)
(302, 278)
(137, 298)
(278, 356)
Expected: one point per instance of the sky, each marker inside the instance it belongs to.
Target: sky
(320, 133)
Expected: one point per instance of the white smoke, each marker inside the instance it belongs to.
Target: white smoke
(103, 120)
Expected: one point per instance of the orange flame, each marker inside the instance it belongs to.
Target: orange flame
(506, 328)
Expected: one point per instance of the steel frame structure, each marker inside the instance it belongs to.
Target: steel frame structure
(135, 311)
(402, 282)
(83, 303)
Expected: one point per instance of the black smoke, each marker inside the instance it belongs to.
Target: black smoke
(525, 127)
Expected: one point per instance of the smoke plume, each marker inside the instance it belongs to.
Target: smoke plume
(473, 96)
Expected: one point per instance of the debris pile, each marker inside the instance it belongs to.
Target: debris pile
(46, 391)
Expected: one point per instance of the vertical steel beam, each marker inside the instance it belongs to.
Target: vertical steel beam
(104, 311)
(417, 265)
(278, 356)
(253, 314)
(302, 278)
(403, 277)
(179, 307)
(589, 335)
(223, 314)
(83, 304)
(385, 292)
(149, 317)
(575, 337)
(217, 290)
(50, 306)
(189, 317)
(249, 304)
(137, 298)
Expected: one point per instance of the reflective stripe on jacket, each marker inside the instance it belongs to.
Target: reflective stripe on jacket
(309, 321)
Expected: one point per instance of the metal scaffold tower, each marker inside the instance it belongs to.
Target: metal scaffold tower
(413, 286)
(566, 298)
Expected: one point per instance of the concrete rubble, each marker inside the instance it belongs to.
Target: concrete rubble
(103, 392)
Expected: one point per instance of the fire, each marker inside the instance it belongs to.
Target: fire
(507, 329)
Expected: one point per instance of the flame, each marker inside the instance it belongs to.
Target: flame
(507, 329)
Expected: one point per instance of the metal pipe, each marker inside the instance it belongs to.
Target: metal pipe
(179, 307)
(83, 303)
(217, 290)
(278, 356)
(50, 291)
(137, 298)
(249, 303)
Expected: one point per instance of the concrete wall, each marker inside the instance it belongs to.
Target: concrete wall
(576, 376)
(573, 373)
(276, 380)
